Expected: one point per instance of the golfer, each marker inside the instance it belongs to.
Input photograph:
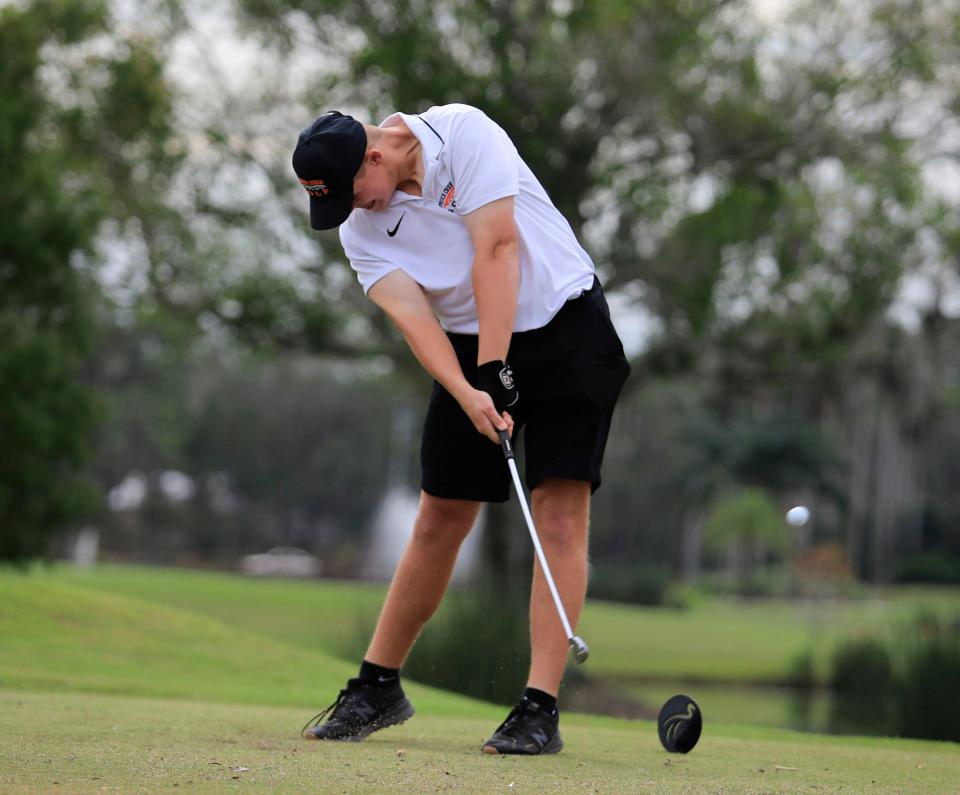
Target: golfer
(451, 235)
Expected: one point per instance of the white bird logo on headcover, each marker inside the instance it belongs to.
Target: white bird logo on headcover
(674, 722)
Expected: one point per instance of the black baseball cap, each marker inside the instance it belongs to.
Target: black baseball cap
(328, 156)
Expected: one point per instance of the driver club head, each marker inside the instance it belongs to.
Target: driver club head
(580, 649)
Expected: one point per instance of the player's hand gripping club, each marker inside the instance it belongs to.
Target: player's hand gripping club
(486, 406)
(496, 379)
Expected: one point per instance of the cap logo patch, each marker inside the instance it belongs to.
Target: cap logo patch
(315, 187)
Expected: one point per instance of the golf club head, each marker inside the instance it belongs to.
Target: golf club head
(680, 724)
(580, 649)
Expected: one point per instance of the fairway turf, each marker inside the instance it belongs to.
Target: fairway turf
(720, 639)
(101, 691)
(57, 637)
(92, 743)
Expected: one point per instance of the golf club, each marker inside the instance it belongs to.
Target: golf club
(580, 649)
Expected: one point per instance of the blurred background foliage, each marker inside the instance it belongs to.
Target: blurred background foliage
(902, 685)
(770, 199)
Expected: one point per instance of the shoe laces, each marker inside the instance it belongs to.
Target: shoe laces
(518, 712)
(315, 720)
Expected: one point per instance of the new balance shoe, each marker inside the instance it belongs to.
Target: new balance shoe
(359, 710)
(528, 729)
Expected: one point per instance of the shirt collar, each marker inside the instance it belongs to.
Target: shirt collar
(430, 143)
(430, 146)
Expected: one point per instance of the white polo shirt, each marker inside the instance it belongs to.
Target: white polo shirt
(469, 161)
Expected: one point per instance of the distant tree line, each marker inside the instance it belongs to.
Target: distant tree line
(764, 196)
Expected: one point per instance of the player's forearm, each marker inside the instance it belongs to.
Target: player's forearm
(496, 281)
(433, 350)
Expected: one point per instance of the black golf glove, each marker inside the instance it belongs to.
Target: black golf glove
(496, 379)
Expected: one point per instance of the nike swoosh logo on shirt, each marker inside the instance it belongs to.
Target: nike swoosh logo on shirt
(393, 231)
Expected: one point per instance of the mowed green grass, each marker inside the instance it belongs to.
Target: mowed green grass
(320, 615)
(80, 743)
(102, 691)
(745, 640)
(716, 640)
(58, 637)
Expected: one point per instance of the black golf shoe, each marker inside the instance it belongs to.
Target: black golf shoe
(360, 710)
(528, 729)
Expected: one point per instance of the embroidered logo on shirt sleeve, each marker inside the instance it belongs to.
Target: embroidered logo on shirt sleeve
(446, 198)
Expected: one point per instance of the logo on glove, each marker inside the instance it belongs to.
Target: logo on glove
(506, 377)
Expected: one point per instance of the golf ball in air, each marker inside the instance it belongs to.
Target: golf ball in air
(798, 516)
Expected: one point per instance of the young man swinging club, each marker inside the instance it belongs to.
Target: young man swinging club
(451, 235)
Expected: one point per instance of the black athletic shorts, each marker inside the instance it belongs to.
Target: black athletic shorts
(568, 375)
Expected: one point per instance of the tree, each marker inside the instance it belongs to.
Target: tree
(73, 126)
(747, 525)
(758, 194)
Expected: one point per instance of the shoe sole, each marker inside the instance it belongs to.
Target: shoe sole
(399, 713)
(554, 746)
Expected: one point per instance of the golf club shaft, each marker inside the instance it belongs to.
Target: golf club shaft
(512, 464)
